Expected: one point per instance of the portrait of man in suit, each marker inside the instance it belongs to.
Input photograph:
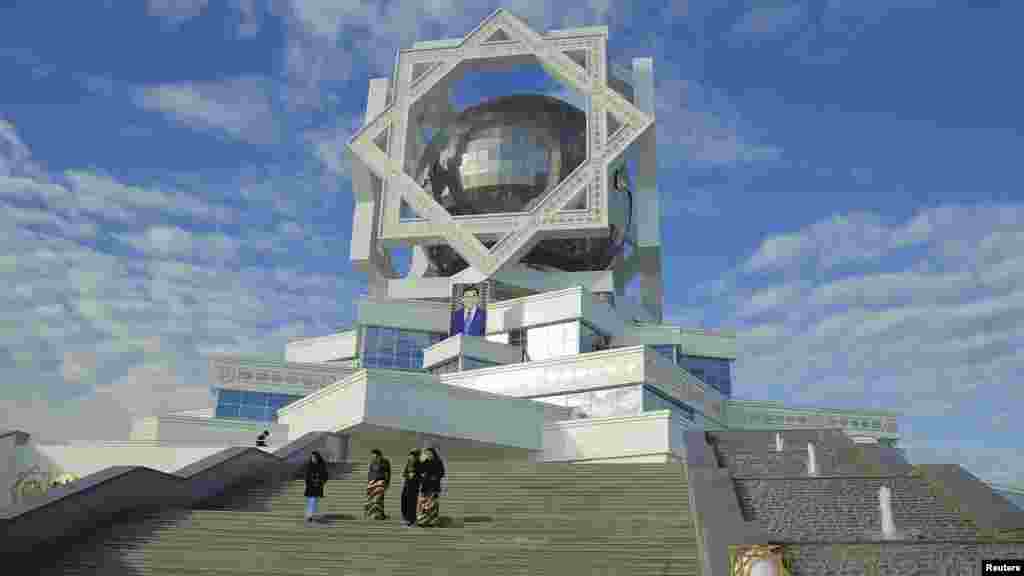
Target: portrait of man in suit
(469, 315)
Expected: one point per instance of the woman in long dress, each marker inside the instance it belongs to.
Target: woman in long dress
(432, 470)
(377, 481)
(316, 477)
(411, 487)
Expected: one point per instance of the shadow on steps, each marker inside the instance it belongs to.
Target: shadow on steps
(443, 521)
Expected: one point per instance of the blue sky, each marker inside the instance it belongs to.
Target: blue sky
(839, 183)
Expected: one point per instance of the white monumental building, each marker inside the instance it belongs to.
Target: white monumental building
(513, 334)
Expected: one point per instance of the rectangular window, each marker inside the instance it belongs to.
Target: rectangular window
(392, 348)
(714, 372)
(666, 350)
(250, 412)
(229, 396)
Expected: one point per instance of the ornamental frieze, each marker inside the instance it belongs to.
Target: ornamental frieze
(225, 373)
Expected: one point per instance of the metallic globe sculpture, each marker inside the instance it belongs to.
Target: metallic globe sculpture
(504, 156)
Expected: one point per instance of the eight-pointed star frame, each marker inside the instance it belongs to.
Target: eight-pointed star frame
(526, 228)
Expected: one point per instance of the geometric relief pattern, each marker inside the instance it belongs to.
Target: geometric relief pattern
(235, 372)
(503, 35)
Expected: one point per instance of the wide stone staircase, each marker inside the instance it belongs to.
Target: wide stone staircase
(498, 518)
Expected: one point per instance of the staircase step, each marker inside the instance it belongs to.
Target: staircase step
(505, 519)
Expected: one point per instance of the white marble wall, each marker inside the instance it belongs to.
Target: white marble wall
(553, 340)
(644, 437)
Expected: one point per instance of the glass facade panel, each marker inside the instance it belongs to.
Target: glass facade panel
(653, 401)
(395, 348)
(251, 405)
(229, 397)
(252, 412)
(591, 340)
(666, 350)
(715, 372)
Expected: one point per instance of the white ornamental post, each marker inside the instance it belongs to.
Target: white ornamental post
(812, 463)
(885, 504)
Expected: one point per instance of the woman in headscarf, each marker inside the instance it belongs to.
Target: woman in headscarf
(316, 477)
(431, 470)
(377, 481)
(411, 487)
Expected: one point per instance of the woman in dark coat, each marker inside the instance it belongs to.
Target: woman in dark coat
(411, 487)
(316, 477)
(431, 471)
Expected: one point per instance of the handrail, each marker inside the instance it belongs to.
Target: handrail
(98, 497)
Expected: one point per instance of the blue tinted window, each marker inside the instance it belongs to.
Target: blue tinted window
(229, 397)
(251, 412)
(394, 348)
(714, 372)
(286, 399)
(254, 398)
(251, 405)
(653, 401)
(666, 350)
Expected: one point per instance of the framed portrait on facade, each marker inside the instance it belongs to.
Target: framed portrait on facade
(469, 309)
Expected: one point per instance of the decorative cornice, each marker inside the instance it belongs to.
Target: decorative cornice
(245, 373)
(304, 340)
(775, 404)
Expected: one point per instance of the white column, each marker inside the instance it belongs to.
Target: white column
(646, 208)
(885, 505)
(364, 253)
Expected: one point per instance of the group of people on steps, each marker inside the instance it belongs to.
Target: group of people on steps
(421, 488)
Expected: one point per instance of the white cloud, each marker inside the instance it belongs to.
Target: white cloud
(67, 227)
(102, 337)
(829, 243)
(240, 107)
(329, 147)
(74, 198)
(103, 195)
(703, 124)
(174, 242)
(940, 341)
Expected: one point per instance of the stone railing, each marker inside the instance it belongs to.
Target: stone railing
(71, 510)
(760, 415)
